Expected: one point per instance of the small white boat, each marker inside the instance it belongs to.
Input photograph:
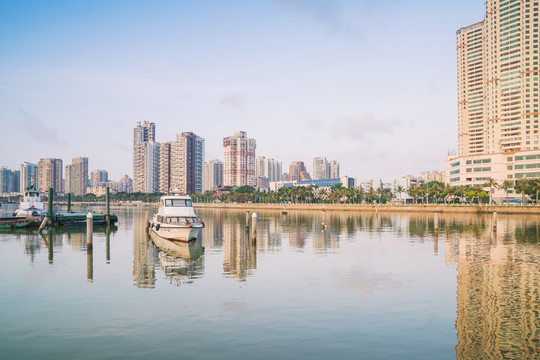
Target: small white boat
(175, 219)
(31, 205)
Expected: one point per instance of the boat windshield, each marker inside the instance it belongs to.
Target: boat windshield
(178, 202)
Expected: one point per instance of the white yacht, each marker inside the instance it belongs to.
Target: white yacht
(175, 219)
(31, 205)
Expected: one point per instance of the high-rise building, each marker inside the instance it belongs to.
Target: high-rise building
(77, 176)
(187, 163)
(268, 168)
(498, 97)
(321, 168)
(334, 169)
(50, 175)
(29, 176)
(297, 171)
(145, 158)
(239, 164)
(9, 181)
(213, 174)
(165, 167)
(99, 178)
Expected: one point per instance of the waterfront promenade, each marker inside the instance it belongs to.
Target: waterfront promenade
(439, 208)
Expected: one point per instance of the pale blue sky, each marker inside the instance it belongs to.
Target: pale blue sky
(371, 84)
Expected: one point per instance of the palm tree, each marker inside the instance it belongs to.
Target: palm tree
(461, 190)
(535, 186)
(413, 192)
(436, 190)
(522, 186)
(399, 190)
(491, 183)
(477, 190)
(448, 190)
(506, 185)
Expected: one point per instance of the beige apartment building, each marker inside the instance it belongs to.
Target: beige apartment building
(498, 97)
(239, 160)
(50, 175)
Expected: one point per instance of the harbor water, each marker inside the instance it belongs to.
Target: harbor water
(369, 286)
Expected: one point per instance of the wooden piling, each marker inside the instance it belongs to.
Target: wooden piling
(247, 218)
(69, 202)
(89, 229)
(50, 215)
(324, 225)
(254, 226)
(107, 207)
(494, 221)
(436, 222)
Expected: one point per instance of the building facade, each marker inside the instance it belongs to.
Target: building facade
(145, 158)
(298, 171)
(498, 97)
(9, 181)
(187, 163)
(165, 167)
(50, 175)
(78, 176)
(239, 165)
(268, 168)
(213, 173)
(99, 178)
(29, 176)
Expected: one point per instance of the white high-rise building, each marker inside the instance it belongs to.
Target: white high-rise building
(213, 173)
(29, 176)
(187, 163)
(498, 96)
(334, 169)
(145, 158)
(268, 168)
(321, 168)
(239, 164)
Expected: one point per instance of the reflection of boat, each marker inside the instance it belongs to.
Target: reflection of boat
(186, 250)
(10, 223)
(175, 219)
(31, 205)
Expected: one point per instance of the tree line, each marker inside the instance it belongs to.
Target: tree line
(433, 192)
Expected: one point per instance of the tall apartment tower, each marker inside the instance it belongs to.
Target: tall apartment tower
(145, 158)
(321, 168)
(29, 176)
(165, 167)
(78, 176)
(334, 169)
(239, 164)
(9, 181)
(99, 178)
(498, 97)
(187, 163)
(50, 175)
(213, 174)
(268, 168)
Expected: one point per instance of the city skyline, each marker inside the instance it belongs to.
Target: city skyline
(353, 81)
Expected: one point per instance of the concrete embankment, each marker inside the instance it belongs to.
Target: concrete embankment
(512, 209)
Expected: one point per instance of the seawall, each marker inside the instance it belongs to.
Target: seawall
(462, 209)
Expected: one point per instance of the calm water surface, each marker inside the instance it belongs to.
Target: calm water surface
(371, 287)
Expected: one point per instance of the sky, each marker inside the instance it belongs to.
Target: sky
(371, 84)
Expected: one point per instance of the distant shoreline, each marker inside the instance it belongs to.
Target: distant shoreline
(500, 209)
(450, 209)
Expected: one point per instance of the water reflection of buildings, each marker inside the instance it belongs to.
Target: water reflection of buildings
(144, 256)
(239, 252)
(498, 288)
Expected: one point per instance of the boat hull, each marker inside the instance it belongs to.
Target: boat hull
(176, 233)
(188, 250)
